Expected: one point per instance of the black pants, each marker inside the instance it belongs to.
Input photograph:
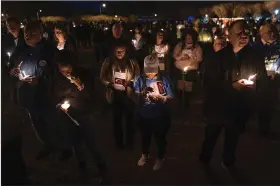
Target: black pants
(191, 76)
(268, 103)
(14, 171)
(88, 136)
(157, 127)
(233, 125)
(123, 107)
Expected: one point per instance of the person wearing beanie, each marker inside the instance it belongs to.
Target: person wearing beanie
(153, 91)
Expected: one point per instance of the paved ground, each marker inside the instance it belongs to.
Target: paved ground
(258, 159)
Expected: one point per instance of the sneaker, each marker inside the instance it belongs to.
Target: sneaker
(142, 161)
(158, 165)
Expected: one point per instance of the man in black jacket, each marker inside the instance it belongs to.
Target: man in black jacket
(231, 93)
(269, 47)
(12, 42)
(32, 71)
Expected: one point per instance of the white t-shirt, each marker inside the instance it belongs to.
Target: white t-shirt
(61, 47)
(119, 79)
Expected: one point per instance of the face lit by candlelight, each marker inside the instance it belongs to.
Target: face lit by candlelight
(219, 44)
(151, 75)
(117, 30)
(189, 39)
(160, 37)
(13, 28)
(268, 33)
(59, 34)
(120, 52)
(239, 34)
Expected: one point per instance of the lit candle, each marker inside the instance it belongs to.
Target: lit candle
(134, 42)
(184, 72)
(65, 105)
(24, 74)
(9, 54)
(249, 80)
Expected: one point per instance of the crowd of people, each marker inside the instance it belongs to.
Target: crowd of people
(142, 68)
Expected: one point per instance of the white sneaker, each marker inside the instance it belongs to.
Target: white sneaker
(158, 165)
(142, 161)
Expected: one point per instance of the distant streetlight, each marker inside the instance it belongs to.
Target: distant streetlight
(102, 5)
(276, 11)
(155, 15)
(38, 15)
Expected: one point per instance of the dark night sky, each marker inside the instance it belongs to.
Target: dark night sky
(72, 8)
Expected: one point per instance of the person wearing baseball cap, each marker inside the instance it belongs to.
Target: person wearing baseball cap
(152, 92)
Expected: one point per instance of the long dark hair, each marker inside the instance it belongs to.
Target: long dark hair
(192, 33)
(125, 64)
(63, 29)
(164, 41)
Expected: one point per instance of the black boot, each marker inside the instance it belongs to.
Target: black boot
(103, 175)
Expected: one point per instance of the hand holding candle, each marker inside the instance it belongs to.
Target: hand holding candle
(9, 55)
(77, 82)
(65, 106)
(186, 69)
(249, 80)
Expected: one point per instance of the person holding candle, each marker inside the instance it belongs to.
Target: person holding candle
(187, 53)
(118, 73)
(232, 101)
(162, 50)
(63, 39)
(140, 47)
(11, 43)
(33, 68)
(70, 91)
(269, 47)
(153, 91)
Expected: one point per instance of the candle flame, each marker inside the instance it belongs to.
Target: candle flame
(65, 105)
(186, 68)
(24, 74)
(252, 77)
